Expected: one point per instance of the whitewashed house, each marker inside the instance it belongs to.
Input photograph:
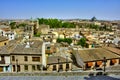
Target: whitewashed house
(8, 33)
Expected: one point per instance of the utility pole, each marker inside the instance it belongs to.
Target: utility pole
(104, 64)
(66, 62)
(58, 64)
(16, 65)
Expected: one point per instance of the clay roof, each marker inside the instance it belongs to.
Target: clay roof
(54, 60)
(112, 49)
(94, 54)
(34, 49)
(2, 38)
(4, 51)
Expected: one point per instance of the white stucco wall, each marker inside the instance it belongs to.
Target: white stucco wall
(43, 54)
(7, 59)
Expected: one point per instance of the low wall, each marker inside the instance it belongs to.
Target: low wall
(57, 73)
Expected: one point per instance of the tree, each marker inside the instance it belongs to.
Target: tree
(37, 35)
(59, 40)
(93, 18)
(22, 25)
(68, 40)
(55, 23)
(13, 25)
(82, 42)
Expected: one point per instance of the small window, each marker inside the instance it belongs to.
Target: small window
(7, 68)
(48, 36)
(25, 67)
(5, 43)
(48, 47)
(54, 67)
(37, 59)
(33, 67)
(60, 66)
(25, 58)
(38, 67)
(14, 68)
(67, 65)
(2, 58)
(13, 58)
(18, 68)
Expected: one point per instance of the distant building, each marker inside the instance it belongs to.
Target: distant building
(50, 49)
(8, 33)
(43, 29)
(49, 37)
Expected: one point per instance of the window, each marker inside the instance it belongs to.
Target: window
(25, 58)
(5, 43)
(60, 66)
(54, 67)
(37, 59)
(48, 36)
(38, 67)
(25, 67)
(48, 48)
(13, 58)
(13, 68)
(33, 67)
(7, 68)
(18, 68)
(2, 58)
(67, 65)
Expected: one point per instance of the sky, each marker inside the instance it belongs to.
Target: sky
(61, 9)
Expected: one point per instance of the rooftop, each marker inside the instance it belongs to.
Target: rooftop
(34, 47)
(112, 49)
(94, 54)
(2, 38)
(54, 60)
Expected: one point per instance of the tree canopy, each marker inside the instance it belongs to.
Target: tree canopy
(82, 42)
(93, 18)
(55, 23)
(68, 40)
(13, 25)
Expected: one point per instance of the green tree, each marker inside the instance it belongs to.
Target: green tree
(82, 42)
(37, 35)
(93, 18)
(55, 23)
(13, 25)
(68, 40)
(59, 40)
(22, 25)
